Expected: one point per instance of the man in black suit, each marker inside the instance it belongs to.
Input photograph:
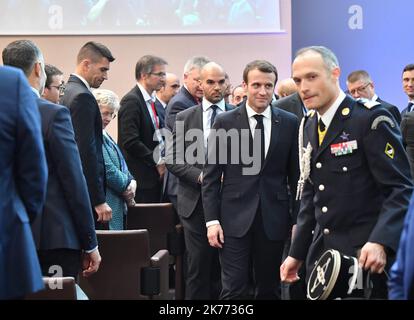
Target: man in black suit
(360, 85)
(355, 182)
(138, 129)
(292, 104)
(202, 260)
(189, 95)
(246, 199)
(408, 87)
(165, 94)
(91, 70)
(65, 227)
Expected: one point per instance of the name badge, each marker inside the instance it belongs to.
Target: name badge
(343, 148)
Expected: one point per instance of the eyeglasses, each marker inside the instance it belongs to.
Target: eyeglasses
(159, 74)
(61, 88)
(108, 114)
(360, 89)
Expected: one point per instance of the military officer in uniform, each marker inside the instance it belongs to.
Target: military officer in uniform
(355, 181)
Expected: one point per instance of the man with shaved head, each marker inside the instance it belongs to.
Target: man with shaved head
(203, 266)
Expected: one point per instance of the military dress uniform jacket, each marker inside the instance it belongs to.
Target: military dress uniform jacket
(359, 185)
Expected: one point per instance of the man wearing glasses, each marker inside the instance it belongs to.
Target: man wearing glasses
(55, 86)
(361, 86)
(138, 121)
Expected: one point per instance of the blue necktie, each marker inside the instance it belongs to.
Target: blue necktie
(213, 115)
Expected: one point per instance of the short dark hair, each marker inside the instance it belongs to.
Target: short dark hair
(408, 67)
(261, 65)
(22, 54)
(51, 71)
(94, 51)
(146, 64)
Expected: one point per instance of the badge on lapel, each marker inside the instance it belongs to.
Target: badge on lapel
(344, 148)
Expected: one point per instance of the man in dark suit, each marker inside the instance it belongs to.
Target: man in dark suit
(408, 87)
(92, 69)
(138, 129)
(292, 104)
(164, 95)
(355, 180)
(245, 199)
(361, 86)
(23, 172)
(202, 260)
(66, 226)
(189, 95)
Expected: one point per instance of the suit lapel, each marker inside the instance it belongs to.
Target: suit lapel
(337, 125)
(144, 106)
(276, 121)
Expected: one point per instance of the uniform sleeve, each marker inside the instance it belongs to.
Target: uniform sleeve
(389, 166)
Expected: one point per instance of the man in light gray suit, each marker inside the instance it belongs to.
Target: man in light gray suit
(203, 266)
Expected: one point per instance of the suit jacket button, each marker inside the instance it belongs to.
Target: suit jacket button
(324, 209)
(345, 169)
(319, 165)
(326, 232)
(321, 187)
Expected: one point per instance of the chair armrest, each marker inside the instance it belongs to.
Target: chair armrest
(161, 260)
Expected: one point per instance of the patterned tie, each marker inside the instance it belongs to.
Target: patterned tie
(213, 114)
(260, 127)
(321, 131)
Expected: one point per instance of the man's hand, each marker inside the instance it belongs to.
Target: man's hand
(373, 257)
(104, 212)
(161, 169)
(91, 262)
(289, 270)
(215, 236)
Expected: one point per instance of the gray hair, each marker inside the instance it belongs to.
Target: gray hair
(195, 62)
(329, 58)
(22, 54)
(106, 98)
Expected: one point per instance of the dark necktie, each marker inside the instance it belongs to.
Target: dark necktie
(213, 114)
(410, 106)
(260, 127)
(321, 131)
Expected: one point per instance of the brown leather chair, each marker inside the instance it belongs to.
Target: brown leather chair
(159, 219)
(127, 270)
(56, 288)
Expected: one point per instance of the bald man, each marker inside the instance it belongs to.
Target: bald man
(286, 87)
(202, 259)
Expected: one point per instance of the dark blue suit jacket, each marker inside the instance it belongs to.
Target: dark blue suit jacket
(87, 124)
(23, 179)
(234, 202)
(401, 285)
(67, 220)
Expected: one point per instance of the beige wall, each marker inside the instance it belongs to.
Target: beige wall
(232, 51)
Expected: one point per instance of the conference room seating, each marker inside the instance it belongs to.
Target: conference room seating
(160, 220)
(128, 271)
(56, 288)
